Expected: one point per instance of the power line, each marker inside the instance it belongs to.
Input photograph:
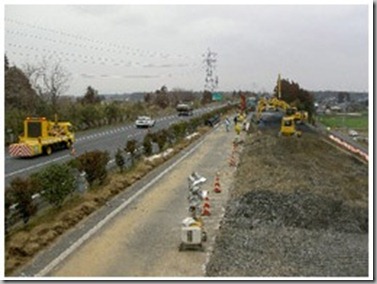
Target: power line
(114, 47)
(50, 43)
(75, 57)
(120, 63)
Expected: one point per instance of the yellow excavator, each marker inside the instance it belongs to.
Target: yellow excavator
(291, 114)
(288, 121)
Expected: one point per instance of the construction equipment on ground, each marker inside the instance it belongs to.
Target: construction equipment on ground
(288, 126)
(41, 136)
(193, 233)
(301, 116)
(291, 114)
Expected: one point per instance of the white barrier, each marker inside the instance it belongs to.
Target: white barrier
(349, 147)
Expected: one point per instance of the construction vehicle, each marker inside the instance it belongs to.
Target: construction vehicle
(265, 104)
(291, 114)
(41, 136)
(288, 126)
(300, 115)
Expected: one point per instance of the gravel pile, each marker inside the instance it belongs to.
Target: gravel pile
(287, 251)
(298, 208)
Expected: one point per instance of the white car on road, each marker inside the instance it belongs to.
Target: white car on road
(144, 121)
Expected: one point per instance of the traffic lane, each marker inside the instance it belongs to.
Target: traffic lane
(21, 167)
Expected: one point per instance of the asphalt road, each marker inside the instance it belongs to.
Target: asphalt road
(105, 139)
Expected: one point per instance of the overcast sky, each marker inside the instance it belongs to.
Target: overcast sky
(128, 48)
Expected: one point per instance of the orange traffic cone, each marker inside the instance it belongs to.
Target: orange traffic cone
(206, 209)
(206, 205)
(217, 189)
(217, 185)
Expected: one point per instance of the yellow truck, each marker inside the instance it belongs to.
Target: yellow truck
(41, 136)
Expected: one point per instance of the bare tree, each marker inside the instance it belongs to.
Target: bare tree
(162, 98)
(50, 79)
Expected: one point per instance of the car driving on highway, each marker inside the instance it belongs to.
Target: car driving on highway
(144, 121)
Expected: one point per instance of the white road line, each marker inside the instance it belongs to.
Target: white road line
(97, 227)
(36, 166)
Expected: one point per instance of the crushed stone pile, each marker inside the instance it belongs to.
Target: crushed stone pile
(299, 208)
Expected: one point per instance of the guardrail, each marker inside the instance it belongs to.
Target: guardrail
(342, 140)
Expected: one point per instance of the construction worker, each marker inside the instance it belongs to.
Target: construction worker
(238, 128)
(227, 124)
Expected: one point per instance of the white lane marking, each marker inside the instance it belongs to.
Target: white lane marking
(36, 166)
(101, 223)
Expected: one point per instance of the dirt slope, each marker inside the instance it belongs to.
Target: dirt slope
(299, 207)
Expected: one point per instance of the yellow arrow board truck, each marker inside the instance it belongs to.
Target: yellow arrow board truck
(42, 136)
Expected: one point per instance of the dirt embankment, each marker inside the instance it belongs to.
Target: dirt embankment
(299, 207)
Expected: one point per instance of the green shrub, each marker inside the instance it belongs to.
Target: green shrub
(131, 147)
(161, 137)
(179, 129)
(94, 164)
(147, 144)
(119, 160)
(57, 182)
(21, 192)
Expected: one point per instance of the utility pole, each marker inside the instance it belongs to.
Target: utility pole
(279, 87)
(211, 80)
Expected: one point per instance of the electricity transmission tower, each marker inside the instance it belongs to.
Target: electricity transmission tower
(211, 80)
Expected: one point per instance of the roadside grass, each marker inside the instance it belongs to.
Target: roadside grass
(345, 121)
